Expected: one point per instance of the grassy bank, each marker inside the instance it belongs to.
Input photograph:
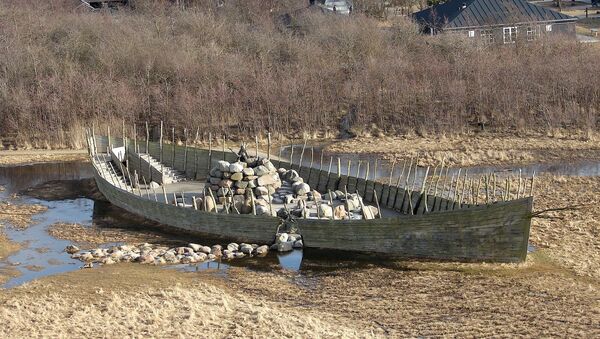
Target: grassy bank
(237, 69)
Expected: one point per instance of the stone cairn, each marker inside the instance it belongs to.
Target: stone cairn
(243, 187)
(190, 254)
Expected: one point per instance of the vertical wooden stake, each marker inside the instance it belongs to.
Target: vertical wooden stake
(375, 169)
(392, 172)
(291, 154)
(520, 182)
(124, 138)
(358, 169)
(165, 194)
(330, 163)
(160, 144)
(256, 141)
(135, 145)
(147, 138)
(339, 167)
(224, 142)
(349, 167)
(269, 145)
(402, 172)
(302, 153)
(367, 171)
(209, 150)
(321, 162)
(154, 191)
(173, 141)
(109, 142)
(185, 150)
(377, 204)
(194, 203)
(532, 182)
(214, 200)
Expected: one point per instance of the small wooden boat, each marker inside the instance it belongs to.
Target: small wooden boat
(426, 223)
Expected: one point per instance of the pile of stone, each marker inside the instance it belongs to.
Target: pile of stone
(242, 185)
(349, 206)
(293, 188)
(285, 242)
(162, 255)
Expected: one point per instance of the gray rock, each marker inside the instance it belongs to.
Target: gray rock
(154, 185)
(214, 172)
(250, 178)
(195, 247)
(248, 171)
(329, 196)
(261, 170)
(88, 265)
(282, 237)
(226, 183)
(269, 165)
(274, 247)
(252, 184)
(285, 246)
(239, 255)
(204, 249)
(281, 170)
(260, 210)
(87, 256)
(277, 201)
(290, 175)
(216, 250)
(268, 179)
(237, 176)
(298, 244)
(325, 211)
(233, 247)
(246, 249)
(314, 196)
(241, 184)
(146, 259)
(261, 191)
(210, 204)
(223, 166)
(302, 189)
(226, 175)
(72, 249)
(368, 213)
(236, 167)
(293, 237)
(214, 180)
(262, 250)
(288, 199)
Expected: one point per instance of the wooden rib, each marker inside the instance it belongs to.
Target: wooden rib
(392, 172)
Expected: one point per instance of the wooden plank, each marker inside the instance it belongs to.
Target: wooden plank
(313, 178)
(391, 202)
(333, 182)
(369, 191)
(361, 186)
(351, 184)
(323, 178)
(342, 183)
(385, 193)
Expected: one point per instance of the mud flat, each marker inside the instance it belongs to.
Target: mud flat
(477, 149)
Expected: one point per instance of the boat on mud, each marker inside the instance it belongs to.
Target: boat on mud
(430, 219)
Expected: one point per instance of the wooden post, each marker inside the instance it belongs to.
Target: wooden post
(256, 141)
(432, 179)
(456, 193)
(291, 154)
(109, 142)
(224, 141)
(330, 163)
(478, 190)
(214, 200)
(375, 169)
(94, 139)
(321, 162)
(507, 189)
(367, 171)
(377, 204)
(392, 172)
(194, 203)
(173, 141)
(154, 191)
(302, 154)
(532, 182)
(402, 173)
(185, 150)
(209, 150)
(494, 187)
(269, 145)
(146, 186)
(252, 202)
(331, 203)
(339, 167)
(279, 157)
(358, 169)
(464, 185)
(349, 167)
(174, 199)
(183, 198)
(165, 194)
(160, 144)
(147, 138)
(123, 138)
(135, 145)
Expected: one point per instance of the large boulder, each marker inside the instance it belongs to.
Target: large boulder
(325, 211)
(236, 167)
(214, 180)
(285, 246)
(260, 210)
(214, 172)
(302, 189)
(352, 203)
(226, 183)
(261, 170)
(290, 175)
(237, 176)
(223, 166)
(340, 213)
(262, 250)
(269, 165)
(248, 171)
(241, 184)
(268, 179)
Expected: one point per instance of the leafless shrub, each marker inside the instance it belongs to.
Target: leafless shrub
(236, 69)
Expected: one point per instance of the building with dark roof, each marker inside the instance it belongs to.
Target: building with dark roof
(495, 21)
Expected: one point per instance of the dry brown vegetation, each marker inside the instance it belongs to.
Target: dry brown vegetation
(477, 149)
(236, 69)
(13, 158)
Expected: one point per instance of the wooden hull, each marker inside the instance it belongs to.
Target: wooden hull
(496, 233)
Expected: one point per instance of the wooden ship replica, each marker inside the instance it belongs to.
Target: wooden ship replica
(434, 218)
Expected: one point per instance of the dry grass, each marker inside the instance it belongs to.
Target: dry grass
(20, 157)
(481, 149)
(19, 216)
(92, 236)
(124, 300)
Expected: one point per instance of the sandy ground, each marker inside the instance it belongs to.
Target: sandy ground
(481, 149)
(555, 293)
(36, 156)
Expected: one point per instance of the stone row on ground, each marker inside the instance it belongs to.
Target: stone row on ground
(192, 253)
